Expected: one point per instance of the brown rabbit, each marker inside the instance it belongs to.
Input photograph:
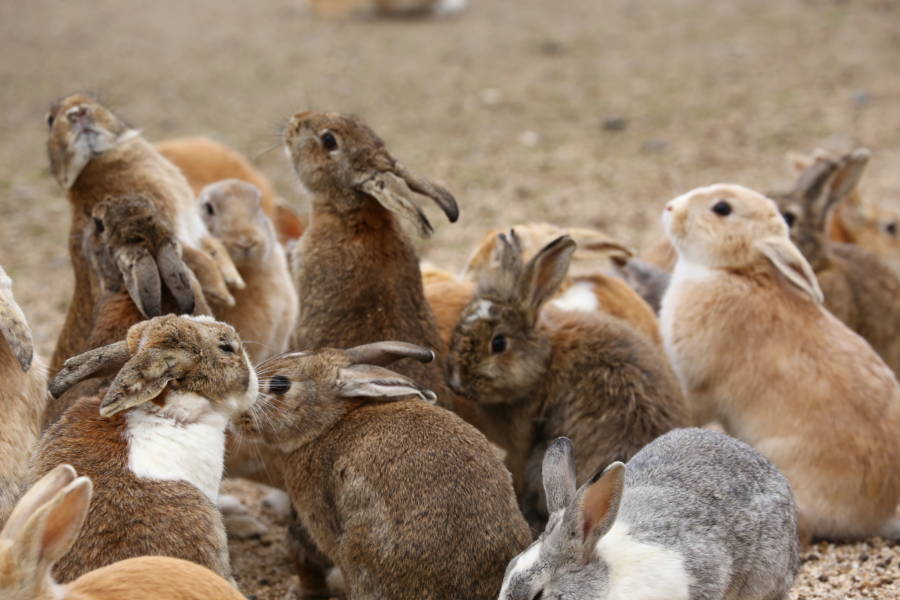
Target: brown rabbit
(153, 443)
(265, 311)
(45, 524)
(859, 289)
(94, 155)
(23, 392)
(358, 276)
(406, 498)
(537, 373)
(745, 329)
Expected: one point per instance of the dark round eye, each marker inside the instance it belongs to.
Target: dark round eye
(50, 120)
(722, 208)
(98, 225)
(209, 208)
(279, 385)
(227, 347)
(328, 141)
(891, 228)
(789, 218)
(498, 344)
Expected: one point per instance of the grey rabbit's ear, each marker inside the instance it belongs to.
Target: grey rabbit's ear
(141, 277)
(384, 353)
(144, 377)
(850, 171)
(39, 494)
(86, 364)
(368, 381)
(505, 267)
(558, 471)
(176, 276)
(593, 511)
(443, 198)
(394, 194)
(545, 272)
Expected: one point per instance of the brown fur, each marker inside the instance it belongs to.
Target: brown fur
(754, 348)
(406, 498)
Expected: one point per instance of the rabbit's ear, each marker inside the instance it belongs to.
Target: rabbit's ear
(545, 272)
(850, 171)
(558, 471)
(54, 527)
(37, 496)
(597, 504)
(86, 364)
(393, 193)
(788, 260)
(144, 377)
(384, 353)
(141, 277)
(368, 381)
(439, 194)
(177, 276)
(14, 328)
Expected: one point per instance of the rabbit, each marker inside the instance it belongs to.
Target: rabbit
(153, 442)
(265, 311)
(744, 327)
(859, 289)
(93, 155)
(45, 524)
(406, 498)
(23, 392)
(695, 515)
(535, 372)
(204, 161)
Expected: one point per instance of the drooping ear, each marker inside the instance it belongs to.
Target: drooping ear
(545, 272)
(15, 330)
(791, 263)
(393, 194)
(439, 194)
(144, 377)
(593, 512)
(86, 364)
(37, 496)
(558, 472)
(176, 276)
(141, 277)
(384, 353)
(368, 381)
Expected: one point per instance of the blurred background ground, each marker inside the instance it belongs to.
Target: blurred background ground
(578, 112)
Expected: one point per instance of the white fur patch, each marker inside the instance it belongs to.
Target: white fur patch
(685, 272)
(482, 310)
(630, 562)
(579, 297)
(89, 144)
(524, 562)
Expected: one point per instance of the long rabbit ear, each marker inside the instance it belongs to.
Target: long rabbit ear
(86, 364)
(384, 353)
(394, 194)
(850, 171)
(37, 496)
(144, 377)
(13, 325)
(367, 381)
(141, 277)
(790, 262)
(439, 194)
(545, 272)
(593, 511)
(558, 472)
(500, 275)
(176, 275)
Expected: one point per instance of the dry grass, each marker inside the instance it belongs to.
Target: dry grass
(505, 104)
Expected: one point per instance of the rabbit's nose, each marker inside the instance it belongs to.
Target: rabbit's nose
(669, 207)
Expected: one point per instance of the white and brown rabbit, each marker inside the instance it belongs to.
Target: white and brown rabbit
(745, 329)
(695, 515)
(405, 497)
(43, 528)
(535, 372)
(153, 443)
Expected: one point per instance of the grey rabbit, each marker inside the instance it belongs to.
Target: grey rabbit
(695, 515)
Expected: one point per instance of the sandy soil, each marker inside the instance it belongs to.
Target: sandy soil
(580, 112)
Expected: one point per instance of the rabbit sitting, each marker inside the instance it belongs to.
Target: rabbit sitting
(694, 515)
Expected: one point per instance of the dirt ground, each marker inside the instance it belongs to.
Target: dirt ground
(578, 112)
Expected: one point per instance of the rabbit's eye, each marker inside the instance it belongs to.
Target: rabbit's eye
(279, 385)
(891, 228)
(227, 347)
(50, 119)
(98, 225)
(498, 344)
(789, 218)
(209, 208)
(722, 208)
(329, 142)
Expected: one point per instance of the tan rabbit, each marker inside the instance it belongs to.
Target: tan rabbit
(536, 372)
(265, 311)
(153, 443)
(95, 155)
(23, 392)
(44, 526)
(745, 329)
(406, 498)
(859, 289)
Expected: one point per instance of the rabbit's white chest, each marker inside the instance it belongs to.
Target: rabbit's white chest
(631, 563)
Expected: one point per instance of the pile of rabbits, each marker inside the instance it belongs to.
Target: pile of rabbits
(529, 429)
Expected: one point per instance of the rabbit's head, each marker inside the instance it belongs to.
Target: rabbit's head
(232, 211)
(730, 227)
(496, 352)
(563, 562)
(43, 526)
(14, 327)
(343, 162)
(305, 393)
(80, 128)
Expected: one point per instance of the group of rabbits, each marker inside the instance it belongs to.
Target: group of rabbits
(426, 426)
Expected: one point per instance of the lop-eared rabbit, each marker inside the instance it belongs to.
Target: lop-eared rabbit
(358, 275)
(94, 155)
(744, 326)
(695, 515)
(43, 528)
(405, 497)
(153, 443)
(535, 372)
(23, 391)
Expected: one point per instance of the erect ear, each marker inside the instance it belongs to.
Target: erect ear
(849, 172)
(368, 381)
(558, 471)
(86, 364)
(393, 194)
(37, 496)
(593, 511)
(545, 272)
(384, 353)
(144, 377)
(480, 259)
(790, 262)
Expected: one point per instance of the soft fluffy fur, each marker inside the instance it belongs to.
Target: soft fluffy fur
(406, 498)
(584, 375)
(752, 346)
